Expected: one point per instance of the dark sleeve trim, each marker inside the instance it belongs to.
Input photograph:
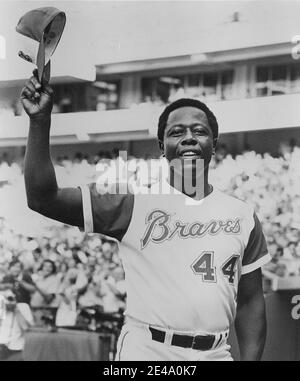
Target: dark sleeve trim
(257, 246)
(257, 264)
(111, 213)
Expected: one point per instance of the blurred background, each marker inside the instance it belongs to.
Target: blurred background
(116, 67)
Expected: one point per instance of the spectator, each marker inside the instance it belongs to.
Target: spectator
(67, 297)
(113, 291)
(46, 285)
(106, 251)
(63, 269)
(91, 297)
(17, 320)
(19, 282)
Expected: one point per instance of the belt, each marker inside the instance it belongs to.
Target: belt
(197, 342)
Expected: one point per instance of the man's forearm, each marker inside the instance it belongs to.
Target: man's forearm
(27, 286)
(250, 325)
(40, 179)
(43, 194)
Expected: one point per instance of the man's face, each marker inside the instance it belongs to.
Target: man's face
(188, 135)
(15, 270)
(47, 269)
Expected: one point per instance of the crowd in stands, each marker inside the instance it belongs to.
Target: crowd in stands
(272, 186)
(48, 264)
(66, 270)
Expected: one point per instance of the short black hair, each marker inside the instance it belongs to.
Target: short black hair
(52, 263)
(186, 102)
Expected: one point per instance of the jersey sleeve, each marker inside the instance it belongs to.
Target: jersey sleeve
(256, 252)
(107, 214)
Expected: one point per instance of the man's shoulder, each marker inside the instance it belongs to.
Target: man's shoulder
(230, 201)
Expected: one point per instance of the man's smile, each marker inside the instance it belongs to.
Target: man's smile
(189, 153)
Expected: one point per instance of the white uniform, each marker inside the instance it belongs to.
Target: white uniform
(183, 260)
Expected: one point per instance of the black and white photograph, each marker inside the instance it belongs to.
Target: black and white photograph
(149, 183)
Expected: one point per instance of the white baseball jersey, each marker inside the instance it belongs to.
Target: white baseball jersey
(182, 258)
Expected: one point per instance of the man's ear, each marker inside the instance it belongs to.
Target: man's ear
(161, 146)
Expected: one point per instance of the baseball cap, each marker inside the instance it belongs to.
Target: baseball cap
(44, 25)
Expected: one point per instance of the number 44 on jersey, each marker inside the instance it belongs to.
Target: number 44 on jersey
(204, 266)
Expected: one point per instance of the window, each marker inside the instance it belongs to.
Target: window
(193, 88)
(161, 89)
(207, 86)
(210, 83)
(210, 86)
(107, 95)
(227, 84)
(277, 79)
(69, 97)
(77, 97)
(295, 78)
(262, 78)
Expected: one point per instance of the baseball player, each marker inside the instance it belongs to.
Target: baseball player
(192, 260)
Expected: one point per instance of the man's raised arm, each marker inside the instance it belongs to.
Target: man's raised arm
(43, 194)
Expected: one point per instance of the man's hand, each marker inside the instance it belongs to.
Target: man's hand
(37, 100)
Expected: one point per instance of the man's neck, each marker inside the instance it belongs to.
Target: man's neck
(196, 188)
